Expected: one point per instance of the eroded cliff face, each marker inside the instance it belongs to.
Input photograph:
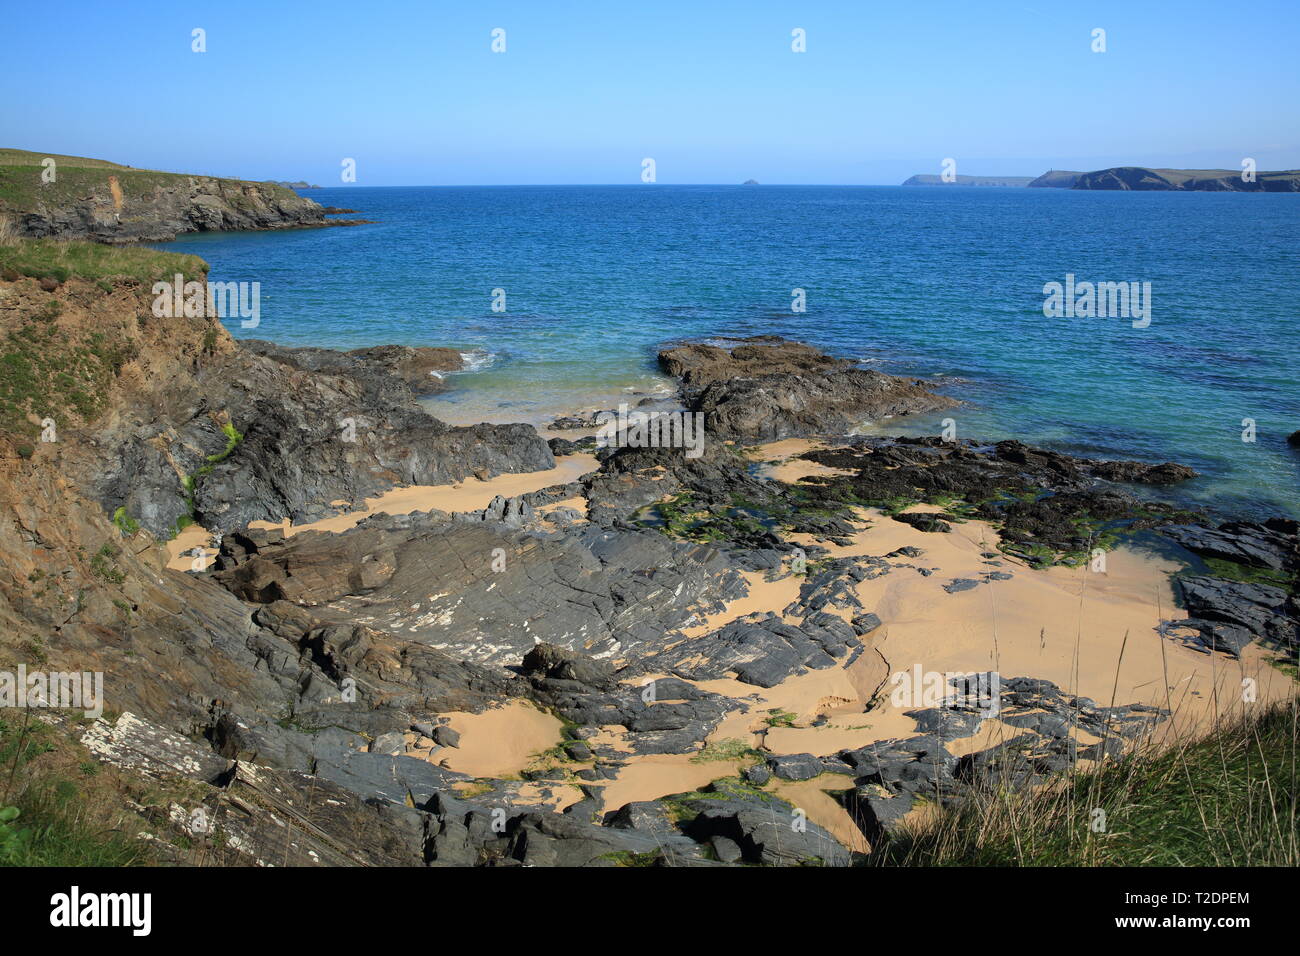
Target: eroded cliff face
(132, 206)
(117, 423)
(171, 420)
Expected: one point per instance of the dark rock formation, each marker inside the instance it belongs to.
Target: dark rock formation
(107, 202)
(766, 388)
(435, 580)
(382, 370)
(206, 429)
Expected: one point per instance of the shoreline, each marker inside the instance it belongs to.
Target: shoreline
(1104, 645)
(463, 618)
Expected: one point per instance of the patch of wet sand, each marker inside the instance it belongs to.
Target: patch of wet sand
(658, 775)
(500, 741)
(781, 461)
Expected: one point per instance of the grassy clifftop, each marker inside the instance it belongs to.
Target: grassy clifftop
(72, 197)
(62, 260)
(22, 185)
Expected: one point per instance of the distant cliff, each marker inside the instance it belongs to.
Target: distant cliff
(1188, 180)
(1134, 178)
(1057, 179)
(930, 179)
(70, 197)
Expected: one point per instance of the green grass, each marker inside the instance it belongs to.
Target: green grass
(780, 718)
(63, 259)
(1228, 799)
(189, 482)
(125, 523)
(727, 749)
(104, 565)
(49, 372)
(22, 187)
(53, 819)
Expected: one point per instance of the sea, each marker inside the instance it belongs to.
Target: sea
(560, 296)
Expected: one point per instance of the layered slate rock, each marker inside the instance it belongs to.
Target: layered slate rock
(105, 202)
(766, 388)
(1038, 497)
(1273, 544)
(391, 373)
(1229, 614)
(484, 590)
(765, 828)
(759, 649)
(662, 716)
(225, 434)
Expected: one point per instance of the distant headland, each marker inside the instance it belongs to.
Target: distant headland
(1134, 178)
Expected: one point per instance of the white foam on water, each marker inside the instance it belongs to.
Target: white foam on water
(477, 360)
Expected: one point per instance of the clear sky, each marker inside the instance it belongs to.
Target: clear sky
(711, 90)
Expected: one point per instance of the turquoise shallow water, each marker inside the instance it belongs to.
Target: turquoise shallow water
(940, 283)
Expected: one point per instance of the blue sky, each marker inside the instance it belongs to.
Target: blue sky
(710, 90)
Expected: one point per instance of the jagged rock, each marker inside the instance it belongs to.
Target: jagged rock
(289, 818)
(1037, 496)
(757, 649)
(390, 744)
(766, 828)
(796, 766)
(946, 723)
(765, 389)
(1166, 473)
(133, 743)
(444, 736)
(1272, 544)
(864, 624)
(389, 373)
(923, 521)
(876, 811)
(150, 206)
(434, 581)
(1259, 609)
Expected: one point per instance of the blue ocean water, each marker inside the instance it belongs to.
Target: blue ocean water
(945, 284)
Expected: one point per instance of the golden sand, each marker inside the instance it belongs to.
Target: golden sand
(499, 742)
(468, 495)
(1066, 625)
(1089, 632)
